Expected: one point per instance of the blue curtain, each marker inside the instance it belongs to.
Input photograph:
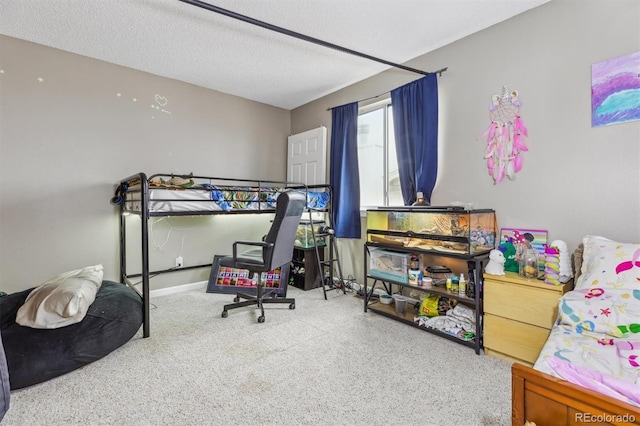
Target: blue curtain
(344, 173)
(415, 120)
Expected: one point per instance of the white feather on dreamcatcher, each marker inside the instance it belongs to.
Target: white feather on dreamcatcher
(505, 136)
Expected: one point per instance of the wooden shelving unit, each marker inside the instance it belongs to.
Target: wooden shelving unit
(475, 265)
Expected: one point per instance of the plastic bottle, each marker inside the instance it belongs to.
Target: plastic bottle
(462, 286)
(471, 287)
(455, 284)
(448, 284)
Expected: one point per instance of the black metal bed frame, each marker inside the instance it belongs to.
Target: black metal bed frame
(229, 184)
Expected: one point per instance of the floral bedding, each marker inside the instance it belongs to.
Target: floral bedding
(598, 326)
(242, 198)
(247, 198)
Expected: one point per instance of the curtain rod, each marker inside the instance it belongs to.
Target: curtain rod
(300, 36)
(439, 72)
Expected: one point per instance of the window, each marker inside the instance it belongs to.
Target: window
(378, 165)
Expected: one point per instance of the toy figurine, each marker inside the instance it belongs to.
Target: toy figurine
(496, 263)
(510, 261)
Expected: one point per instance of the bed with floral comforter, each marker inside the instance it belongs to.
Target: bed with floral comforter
(589, 368)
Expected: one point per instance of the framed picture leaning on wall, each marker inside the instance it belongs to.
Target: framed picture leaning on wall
(522, 238)
(231, 280)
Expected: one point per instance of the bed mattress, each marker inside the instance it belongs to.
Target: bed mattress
(595, 351)
(215, 199)
(192, 200)
(596, 342)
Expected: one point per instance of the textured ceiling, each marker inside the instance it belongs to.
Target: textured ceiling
(180, 41)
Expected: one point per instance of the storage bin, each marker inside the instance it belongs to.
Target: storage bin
(401, 304)
(389, 265)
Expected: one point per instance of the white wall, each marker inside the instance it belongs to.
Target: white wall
(576, 179)
(66, 141)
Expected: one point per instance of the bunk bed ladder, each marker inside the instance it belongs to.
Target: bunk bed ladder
(326, 268)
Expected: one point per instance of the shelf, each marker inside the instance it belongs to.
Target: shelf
(390, 312)
(310, 247)
(441, 291)
(432, 252)
(474, 267)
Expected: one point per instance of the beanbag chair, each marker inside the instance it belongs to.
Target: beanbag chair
(35, 355)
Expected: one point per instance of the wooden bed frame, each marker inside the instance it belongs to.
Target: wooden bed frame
(546, 400)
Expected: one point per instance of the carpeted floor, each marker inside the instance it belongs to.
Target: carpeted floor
(324, 363)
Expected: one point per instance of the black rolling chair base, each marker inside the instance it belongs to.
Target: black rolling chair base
(259, 301)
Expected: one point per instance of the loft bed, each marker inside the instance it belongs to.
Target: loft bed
(162, 195)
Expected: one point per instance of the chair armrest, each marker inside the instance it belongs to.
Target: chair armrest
(266, 247)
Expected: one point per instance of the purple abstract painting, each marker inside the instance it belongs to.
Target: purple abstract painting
(615, 90)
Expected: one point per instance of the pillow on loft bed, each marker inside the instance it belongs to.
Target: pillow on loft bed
(36, 355)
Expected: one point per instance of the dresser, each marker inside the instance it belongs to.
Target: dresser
(518, 315)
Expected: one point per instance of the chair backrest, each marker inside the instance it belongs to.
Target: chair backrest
(289, 208)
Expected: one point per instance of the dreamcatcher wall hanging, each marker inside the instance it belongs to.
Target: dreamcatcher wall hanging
(505, 136)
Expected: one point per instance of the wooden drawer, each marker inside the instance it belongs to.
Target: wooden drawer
(524, 303)
(514, 338)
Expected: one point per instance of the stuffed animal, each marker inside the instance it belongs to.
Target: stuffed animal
(510, 261)
(496, 263)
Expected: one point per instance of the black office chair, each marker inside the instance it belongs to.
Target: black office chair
(277, 251)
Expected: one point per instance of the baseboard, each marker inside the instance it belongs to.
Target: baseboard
(177, 289)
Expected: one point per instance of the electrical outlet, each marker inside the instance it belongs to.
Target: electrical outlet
(179, 262)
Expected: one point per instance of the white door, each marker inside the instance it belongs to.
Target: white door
(307, 157)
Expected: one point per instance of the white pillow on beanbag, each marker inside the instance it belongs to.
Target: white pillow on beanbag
(62, 300)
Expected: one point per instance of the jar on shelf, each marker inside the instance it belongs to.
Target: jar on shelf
(414, 270)
(455, 284)
(529, 263)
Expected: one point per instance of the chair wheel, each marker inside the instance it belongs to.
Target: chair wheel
(225, 314)
(236, 299)
(292, 306)
(261, 318)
